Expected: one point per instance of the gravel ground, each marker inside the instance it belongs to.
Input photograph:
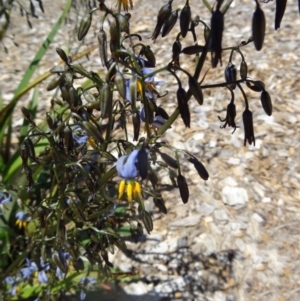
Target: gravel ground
(238, 236)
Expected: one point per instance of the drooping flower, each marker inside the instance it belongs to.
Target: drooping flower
(64, 259)
(5, 197)
(29, 270)
(129, 167)
(22, 219)
(248, 127)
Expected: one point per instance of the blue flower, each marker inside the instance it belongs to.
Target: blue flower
(29, 270)
(64, 258)
(43, 268)
(13, 285)
(80, 136)
(85, 282)
(126, 165)
(5, 197)
(22, 219)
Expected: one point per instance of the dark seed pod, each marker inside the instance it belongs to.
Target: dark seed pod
(136, 121)
(169, 160)
(42, 214)
(89, 97)
(248, 127)
(54, 83)
(69, 141)
(102, 45)
(185, 19)
(105, 100)
(149, 55)
(62, 55)
(163, 16)
(216, 33)
(84, 26)
(266, 102)
(58, 69)
(190, 50)
(65, 93)
(258, 27)
(183, 106)
(230, 75)
(133, 91)
(183, 188)
(243, 70)
(160, 204)
(93, 131)
(120, 84)
(200, 168)
(147, 221)
(196, 90)
(28, 116)
(28, 172)
(170, 23)
(280, 8)
(142, 162)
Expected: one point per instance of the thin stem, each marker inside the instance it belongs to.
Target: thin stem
(244, 95)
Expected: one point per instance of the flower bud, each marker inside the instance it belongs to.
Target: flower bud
(185, 19)
(176, 49)
(30, 148)
(170, 23)
(280, 8)
(24, 155)
(257, 86)
(266, 102)
(159, 203)
(62, 55)
(28, 116)
(248, 127)
(243, 70)
(54, 83)
(196, 90)
(120, 84)
(50, 121)
(69, 142)
(163, 16)
(74, 98)
(102, 45)
(149, 55)
(105, 100)
(215, 42)
(136, 121)
(147, 221)
(142, 162)
(200, 168)
(230, 75)
(194, 49)
(169, 160)
(84, 26)
(183, 106)
(258, 27)
(183, 188)
(114, 36)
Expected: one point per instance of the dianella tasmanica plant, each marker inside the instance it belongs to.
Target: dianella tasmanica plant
(104, 146)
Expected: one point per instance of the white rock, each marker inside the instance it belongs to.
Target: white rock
(221, 215)
(234, 196)
(188, 221)
(136, 288)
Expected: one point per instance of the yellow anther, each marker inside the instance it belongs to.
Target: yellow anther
(121, 189)
(92, 143)
(137, 191)
(129, 190)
